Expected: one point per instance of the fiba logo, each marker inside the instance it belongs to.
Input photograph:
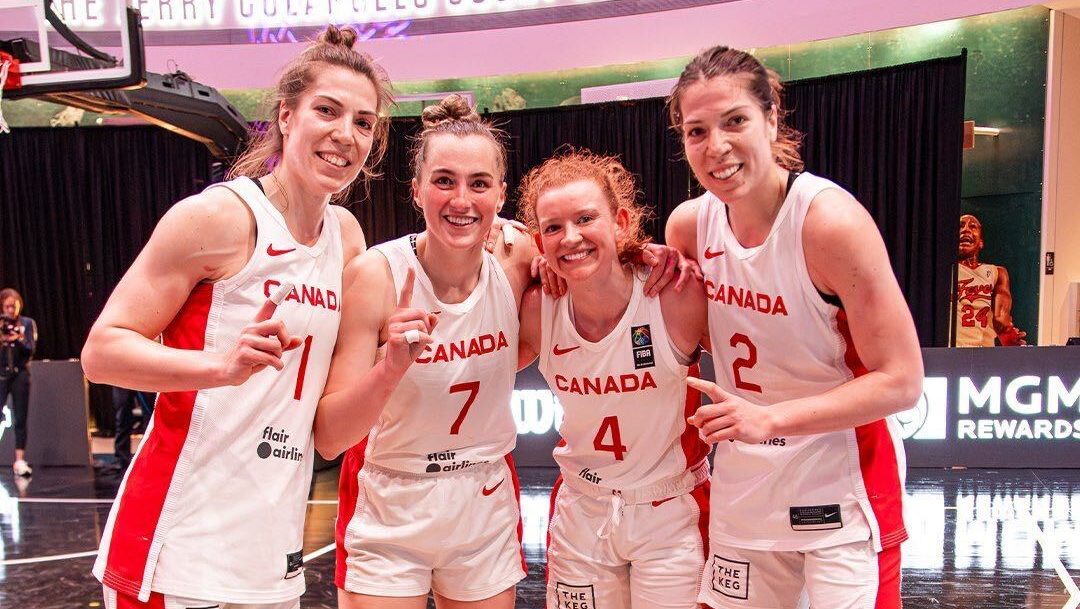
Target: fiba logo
(926, 420)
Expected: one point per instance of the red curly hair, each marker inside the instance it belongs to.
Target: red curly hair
(617, 184)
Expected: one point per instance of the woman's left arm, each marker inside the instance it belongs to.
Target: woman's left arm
(846, 256)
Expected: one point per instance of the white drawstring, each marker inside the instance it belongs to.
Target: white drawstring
(614, 518)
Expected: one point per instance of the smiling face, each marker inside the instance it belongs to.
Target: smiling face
(727, 136)
(459, 189)
(579, 231)
(971, 237)
(329, 132)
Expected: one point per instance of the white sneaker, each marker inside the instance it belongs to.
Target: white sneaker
(22, 468)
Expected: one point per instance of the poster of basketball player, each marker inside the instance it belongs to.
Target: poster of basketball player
(983, 295)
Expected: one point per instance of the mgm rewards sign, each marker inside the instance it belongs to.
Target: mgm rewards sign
(997, 407)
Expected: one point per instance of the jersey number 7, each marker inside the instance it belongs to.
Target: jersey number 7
(473, 387)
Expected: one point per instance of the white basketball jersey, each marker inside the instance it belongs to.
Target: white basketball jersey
(975, 305)
(213, 504)
(775, 338)
(451, 410)
(624, 397)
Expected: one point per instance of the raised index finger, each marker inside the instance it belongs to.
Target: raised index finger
(710, 389)
(266, 311)
(406, 290)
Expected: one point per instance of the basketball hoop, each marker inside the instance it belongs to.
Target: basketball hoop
(9, 79)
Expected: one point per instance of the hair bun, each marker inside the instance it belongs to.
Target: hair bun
(336, 36)
(450, 108)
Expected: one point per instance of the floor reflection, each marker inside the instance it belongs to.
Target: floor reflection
(987, 538)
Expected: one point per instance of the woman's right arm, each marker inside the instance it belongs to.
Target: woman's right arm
(680, 231)
(529, 316)
(202, 238)
(358, 386)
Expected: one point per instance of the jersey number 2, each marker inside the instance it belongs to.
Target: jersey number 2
(473, 387)
(744, 362)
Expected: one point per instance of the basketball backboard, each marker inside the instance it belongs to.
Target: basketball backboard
(59, 51)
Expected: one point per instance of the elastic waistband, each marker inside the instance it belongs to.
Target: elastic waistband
(663, 489)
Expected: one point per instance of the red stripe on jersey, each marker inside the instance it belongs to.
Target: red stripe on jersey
(694, 448)
(348, 494)
(701, 498)
(877, 458)
(551, 515)
(150, 480)
(888, 592)
(521, 527)
(126, 601)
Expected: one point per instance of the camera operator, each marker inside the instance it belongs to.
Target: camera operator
(18, 336)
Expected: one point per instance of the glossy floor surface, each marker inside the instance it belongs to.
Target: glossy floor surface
(986, 539)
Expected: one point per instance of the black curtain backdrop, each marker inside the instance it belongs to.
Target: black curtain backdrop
(76, 205)
(893, 137)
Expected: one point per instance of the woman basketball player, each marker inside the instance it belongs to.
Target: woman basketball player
(630, 509)
(429, 502)
(211, 511)
(813, 346)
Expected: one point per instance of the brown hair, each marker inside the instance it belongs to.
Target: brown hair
(455, 116)
(333, 47)
(764, 84)
(10, 293)
(617, 184)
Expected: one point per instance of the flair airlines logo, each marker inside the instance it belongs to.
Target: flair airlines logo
(1026, 407)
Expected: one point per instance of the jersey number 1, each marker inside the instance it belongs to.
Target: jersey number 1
(303, 369)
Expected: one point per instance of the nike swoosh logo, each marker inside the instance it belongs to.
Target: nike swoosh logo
(710, 255)
(661, 502)
(557, 351)
(487, 491)
(273, 252)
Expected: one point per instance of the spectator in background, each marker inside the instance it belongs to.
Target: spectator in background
(125, 401)
(18, 336)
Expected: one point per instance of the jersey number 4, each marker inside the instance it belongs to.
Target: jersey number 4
(610, 426)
